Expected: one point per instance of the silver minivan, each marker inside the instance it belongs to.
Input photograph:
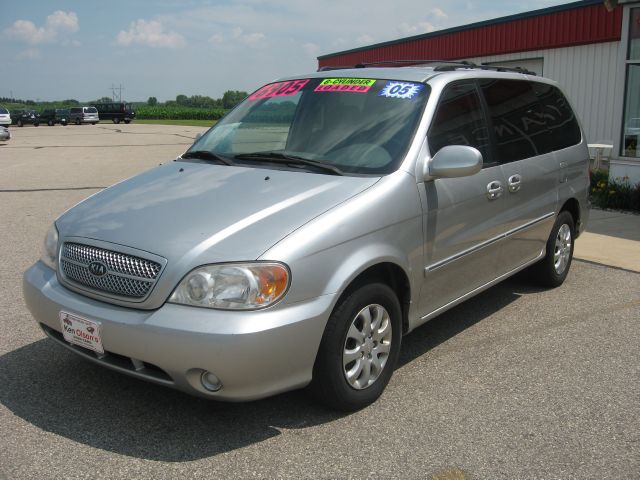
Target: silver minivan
(326, 216)
(79, 115)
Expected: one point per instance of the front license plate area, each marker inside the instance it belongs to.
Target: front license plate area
(82, 332)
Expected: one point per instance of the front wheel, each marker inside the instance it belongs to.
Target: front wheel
(50, 123)
(359, 348)
(77, 121)
(127, 122)
(116, 120)
(552, 270)
(20, 124)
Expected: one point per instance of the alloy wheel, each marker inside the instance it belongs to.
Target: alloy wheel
(562, 251)
(366, 348)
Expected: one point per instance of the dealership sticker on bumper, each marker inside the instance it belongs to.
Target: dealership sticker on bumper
(81, 331)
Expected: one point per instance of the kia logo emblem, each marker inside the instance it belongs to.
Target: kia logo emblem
(97, 268)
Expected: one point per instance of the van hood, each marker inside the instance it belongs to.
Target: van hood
(198, 213)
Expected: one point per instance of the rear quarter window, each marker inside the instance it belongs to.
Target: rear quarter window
(564, 130)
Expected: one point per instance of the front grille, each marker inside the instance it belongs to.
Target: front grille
(126, 275)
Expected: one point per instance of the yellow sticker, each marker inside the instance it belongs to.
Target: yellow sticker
(360, 85)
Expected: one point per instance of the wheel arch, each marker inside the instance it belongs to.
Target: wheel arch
(390, 274)
(573, 207)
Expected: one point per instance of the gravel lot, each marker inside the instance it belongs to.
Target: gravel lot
(515, 383)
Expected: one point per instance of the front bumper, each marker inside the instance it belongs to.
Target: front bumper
(254, 354)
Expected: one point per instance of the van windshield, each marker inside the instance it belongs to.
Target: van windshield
(91, 110)
(359, 125)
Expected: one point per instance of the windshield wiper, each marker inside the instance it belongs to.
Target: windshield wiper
(206, 155)
(278, 157)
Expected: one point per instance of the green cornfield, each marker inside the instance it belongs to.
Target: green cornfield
(162, 112)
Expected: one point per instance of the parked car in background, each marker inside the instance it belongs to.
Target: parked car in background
(5, 117)
(24, 117)
(116, 112)
(326, 216)
(5, 134)
(80, 115)
(51, 116)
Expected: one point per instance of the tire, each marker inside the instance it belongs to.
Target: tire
(116, 120)
(77, 121)
(552, 270)
(50, 123)
(93, 123)
(19, 123)
(343, 339)
(64, 124)
(127, 122)
(35, 124)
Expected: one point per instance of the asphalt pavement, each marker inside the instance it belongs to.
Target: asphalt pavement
(516, 383)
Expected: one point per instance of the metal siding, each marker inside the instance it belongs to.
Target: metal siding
(579, 26)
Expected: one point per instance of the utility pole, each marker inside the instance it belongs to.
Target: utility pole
(113, 92)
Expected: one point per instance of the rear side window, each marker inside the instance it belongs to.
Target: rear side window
(76, 110)
(459, 120)
(4, 111)
(517, 118)
(564, 130)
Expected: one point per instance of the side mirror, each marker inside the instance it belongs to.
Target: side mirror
(453, 161)
(198, 135)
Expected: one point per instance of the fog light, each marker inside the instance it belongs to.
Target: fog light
(210, 381)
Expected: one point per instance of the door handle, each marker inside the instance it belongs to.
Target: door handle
(494, 190)
(514, 183)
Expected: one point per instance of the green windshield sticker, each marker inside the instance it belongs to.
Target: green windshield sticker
(360, 85)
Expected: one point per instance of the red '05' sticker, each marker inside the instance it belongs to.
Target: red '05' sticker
(279, 89)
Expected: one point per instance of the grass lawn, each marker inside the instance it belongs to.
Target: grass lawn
(191, 123)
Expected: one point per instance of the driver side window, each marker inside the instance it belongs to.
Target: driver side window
(459, 120)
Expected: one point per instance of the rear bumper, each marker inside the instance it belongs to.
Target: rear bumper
(254, 354)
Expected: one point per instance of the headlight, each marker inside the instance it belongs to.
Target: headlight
(234, 286)
(50, 248)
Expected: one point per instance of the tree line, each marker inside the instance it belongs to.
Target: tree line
(229, 99)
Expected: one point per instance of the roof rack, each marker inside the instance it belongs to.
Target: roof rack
(484, 66)
(446, 66)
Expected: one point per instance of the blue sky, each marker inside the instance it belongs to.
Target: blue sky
(79, 48)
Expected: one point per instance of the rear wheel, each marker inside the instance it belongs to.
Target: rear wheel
(50, 123)
(93, 123)
(127, 122)
(77, 121)
(19, 123)
(35, 124)
(116, 120)
(552, 270)
(359, 348)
